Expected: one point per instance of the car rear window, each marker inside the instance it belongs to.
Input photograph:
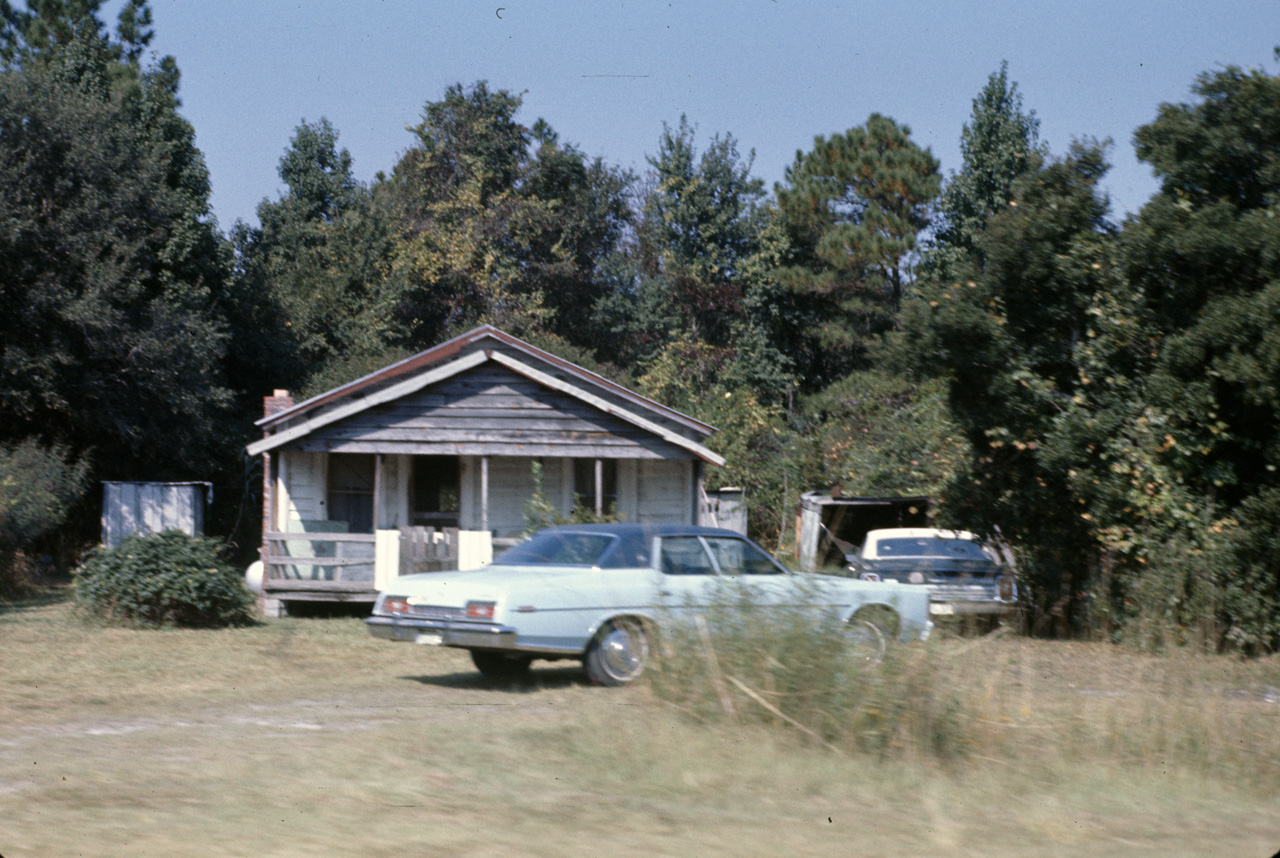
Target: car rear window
(558, 548)
(629, 551)
(930, 546)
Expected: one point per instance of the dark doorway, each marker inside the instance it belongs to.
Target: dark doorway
(351, 490)
(435, 495)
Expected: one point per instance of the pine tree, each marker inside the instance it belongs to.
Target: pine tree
(854, 207)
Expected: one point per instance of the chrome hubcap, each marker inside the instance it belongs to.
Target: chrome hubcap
(624, 651)
(867, 640)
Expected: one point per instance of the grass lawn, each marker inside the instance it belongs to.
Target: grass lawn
(309, 737)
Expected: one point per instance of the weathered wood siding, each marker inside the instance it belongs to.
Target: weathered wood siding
(489, 410)
(510, 488)
(664, 492)
(604, 392)
(628, 494)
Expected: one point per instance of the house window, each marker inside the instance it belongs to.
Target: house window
(351, 490)
(435, 491)
(584, 485)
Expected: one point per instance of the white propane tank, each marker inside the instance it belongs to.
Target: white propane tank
(253, 577)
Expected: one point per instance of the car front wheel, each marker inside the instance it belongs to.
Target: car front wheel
(618, 654)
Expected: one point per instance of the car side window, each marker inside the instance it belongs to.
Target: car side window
(739, 557)
(629, 551)
(684, 555)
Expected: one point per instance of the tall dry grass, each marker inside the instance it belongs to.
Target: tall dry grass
(785, 667)
(1066, 704)
(999, 699)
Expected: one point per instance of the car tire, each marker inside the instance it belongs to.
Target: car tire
(500, 666)
(618, 654)
(869, 632)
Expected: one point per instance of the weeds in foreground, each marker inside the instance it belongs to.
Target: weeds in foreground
(996, 699)
(743, 661)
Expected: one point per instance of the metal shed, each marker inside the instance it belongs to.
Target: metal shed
(828, 525)
(130, 508)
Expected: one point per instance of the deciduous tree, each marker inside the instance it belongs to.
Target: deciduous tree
(1204, 255)
(311, 286)
(493, 230)
(109, 258)
(1007, 339)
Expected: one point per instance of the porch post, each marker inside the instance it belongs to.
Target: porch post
(268, 503)
(699, 488)
(484, 492)
(279, 517)
(377, 491)
(599, 487)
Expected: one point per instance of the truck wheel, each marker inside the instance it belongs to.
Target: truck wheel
(618, 654)
(500, 666)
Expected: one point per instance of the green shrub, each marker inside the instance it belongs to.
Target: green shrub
(165, 579)
(38, 485)
(541, 513)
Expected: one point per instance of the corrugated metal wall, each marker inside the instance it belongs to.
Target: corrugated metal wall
(129, 508)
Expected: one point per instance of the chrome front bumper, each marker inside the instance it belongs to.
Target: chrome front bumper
(442, 632)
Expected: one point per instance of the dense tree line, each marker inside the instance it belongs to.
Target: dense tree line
(1105, 393)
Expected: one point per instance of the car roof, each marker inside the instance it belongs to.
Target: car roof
(919, 532)
(628, 528)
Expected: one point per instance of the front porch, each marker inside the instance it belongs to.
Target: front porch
(325, 563)
(321, 543)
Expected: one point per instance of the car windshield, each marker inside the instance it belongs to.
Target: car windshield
(558, 548)
(930, 546)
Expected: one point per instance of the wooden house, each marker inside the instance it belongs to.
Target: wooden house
(430, 463)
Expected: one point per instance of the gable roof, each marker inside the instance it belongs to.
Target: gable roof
(468, 351)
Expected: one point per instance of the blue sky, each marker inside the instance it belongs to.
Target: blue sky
(607, 74)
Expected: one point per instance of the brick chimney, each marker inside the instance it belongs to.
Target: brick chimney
(278, 401)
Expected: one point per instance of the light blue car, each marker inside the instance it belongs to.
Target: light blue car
(599, 593)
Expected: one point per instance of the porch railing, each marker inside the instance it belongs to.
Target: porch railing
(296, 557)
(320, 565)
(426, 549)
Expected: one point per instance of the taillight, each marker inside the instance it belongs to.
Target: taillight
(480, 610)
(396, 604)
